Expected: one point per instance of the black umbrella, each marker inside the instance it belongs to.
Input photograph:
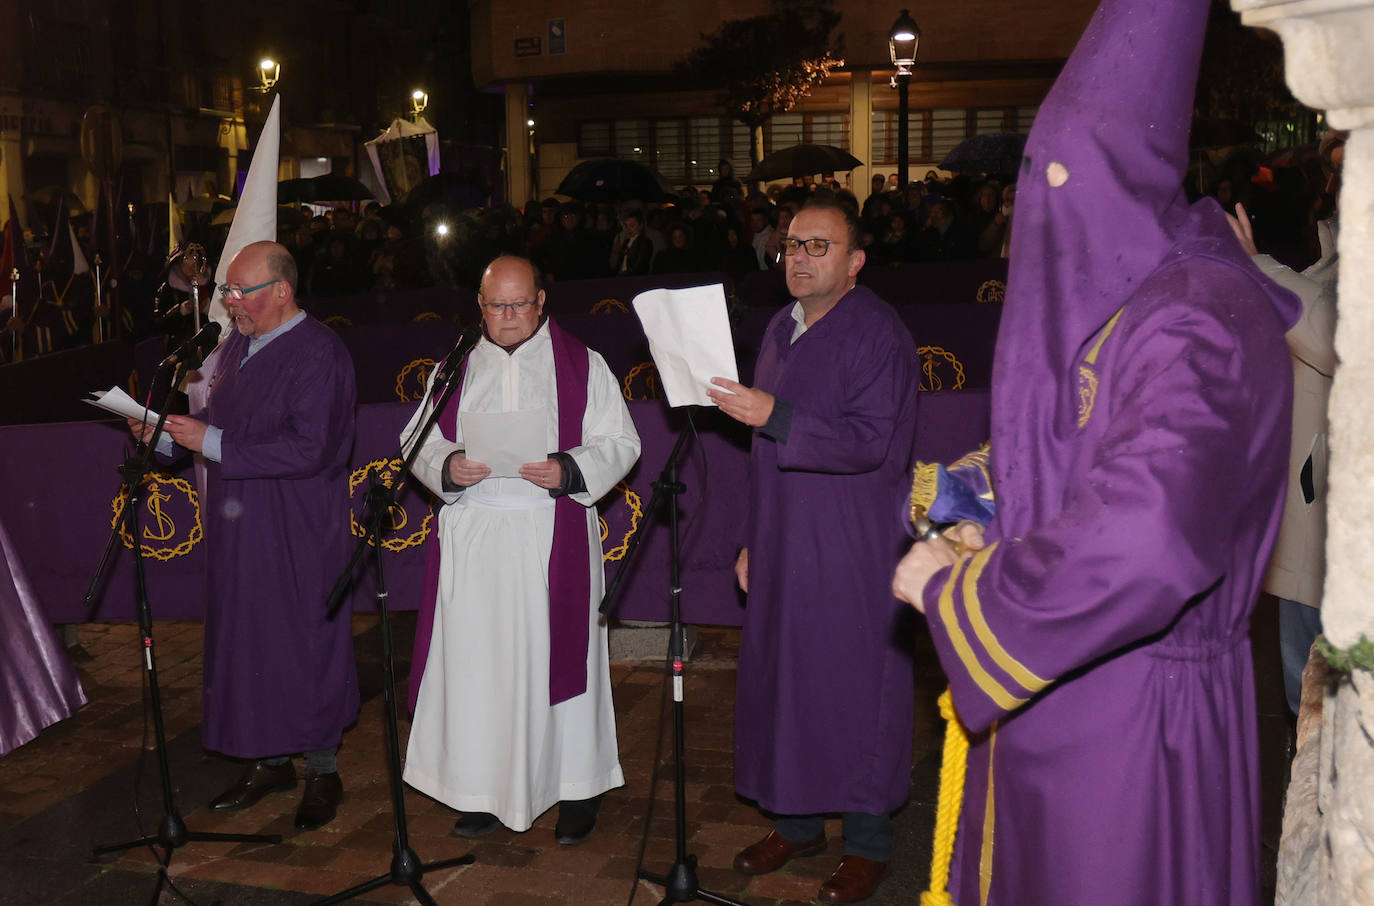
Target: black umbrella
(608, 179)
(803, 160)
(994, 152)
(456, 190)
(328, 187)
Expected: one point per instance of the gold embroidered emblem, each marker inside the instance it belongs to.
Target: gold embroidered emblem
(652, 390)
(164, 499)
(410, 382)
(939, 366)
(338, 321)
(1087, 393)
(991, 291)
(636, 505)
(385, 471)
(606, 306)
(427, 316)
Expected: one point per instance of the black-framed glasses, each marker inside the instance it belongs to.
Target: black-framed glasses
(816, 248)
(500, 308)
(236, 293)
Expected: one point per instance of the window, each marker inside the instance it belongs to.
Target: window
(829, 129)
(632, 140)
(704, 149)
(947, 129)
(670, 150)
(989, 121)
(785, 130)
(1024, 117)
(594, 138)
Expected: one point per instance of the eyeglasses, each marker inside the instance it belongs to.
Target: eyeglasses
(236, 293)
(816, 248)
(500, 308)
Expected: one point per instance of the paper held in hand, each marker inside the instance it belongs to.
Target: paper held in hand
(690, 340)
(120, 403)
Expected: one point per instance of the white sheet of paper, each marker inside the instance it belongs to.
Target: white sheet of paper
(505, 441)
(120, 403)
(690, 340)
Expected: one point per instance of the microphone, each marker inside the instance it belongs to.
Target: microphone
(454, 360)
(196, 347)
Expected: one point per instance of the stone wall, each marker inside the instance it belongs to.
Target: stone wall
(1327, 852)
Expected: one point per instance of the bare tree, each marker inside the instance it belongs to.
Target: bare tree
(766, 64)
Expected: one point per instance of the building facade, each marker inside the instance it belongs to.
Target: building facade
(597, 79)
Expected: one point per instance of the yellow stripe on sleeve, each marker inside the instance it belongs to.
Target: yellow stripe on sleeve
(991, 688)
(1014, 668)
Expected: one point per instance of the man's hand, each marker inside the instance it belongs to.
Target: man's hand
(142, 432)
(466, 472)
(186, 431)
(742, 569)
(743, 404)
(547, 474)
(926, 558)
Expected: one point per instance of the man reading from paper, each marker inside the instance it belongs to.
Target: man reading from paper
(276, 434)
(823, 710)
(510, 687)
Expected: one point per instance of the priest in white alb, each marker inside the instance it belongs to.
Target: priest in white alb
(510, 683)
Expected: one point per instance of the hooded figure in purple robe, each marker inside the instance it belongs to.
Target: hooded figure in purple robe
(1096, 639)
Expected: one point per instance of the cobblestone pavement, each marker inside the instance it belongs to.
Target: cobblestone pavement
(93, 780)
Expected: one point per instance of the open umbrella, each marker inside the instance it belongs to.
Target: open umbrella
(993, 152)
(327, 187)
(287, 215)
(206, 204)
(803, 160)
(48, 196)
(456, 190)
(608, 179)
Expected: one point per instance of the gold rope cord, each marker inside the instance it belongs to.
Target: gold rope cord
(953, 764)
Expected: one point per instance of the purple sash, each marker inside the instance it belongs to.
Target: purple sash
(570, 558)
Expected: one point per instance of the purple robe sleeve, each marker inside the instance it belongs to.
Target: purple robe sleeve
(1136, 541)
(303, 442)
(856, 440)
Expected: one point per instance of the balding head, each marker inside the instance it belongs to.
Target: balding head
(261, 282)
(512, 302)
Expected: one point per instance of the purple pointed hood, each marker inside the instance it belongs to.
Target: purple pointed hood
(1099, 208)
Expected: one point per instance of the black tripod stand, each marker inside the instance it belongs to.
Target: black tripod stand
(406, 867)
(172, 833)
(680, 883)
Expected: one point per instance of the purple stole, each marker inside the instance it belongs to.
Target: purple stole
(570, 558)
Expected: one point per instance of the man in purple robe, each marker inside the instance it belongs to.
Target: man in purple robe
(823, 711)
(1096, 637)
(276, 434)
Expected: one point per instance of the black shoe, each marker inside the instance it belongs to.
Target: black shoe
(260, 779)
(576, 820)
(320, 801)
(475, 824)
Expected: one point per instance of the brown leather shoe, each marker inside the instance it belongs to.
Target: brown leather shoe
(854, 879)
(774, 851)
(260, 779)
(320, 801)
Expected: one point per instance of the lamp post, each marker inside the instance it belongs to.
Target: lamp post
(902, 42)
(269, 70)
(419, 100)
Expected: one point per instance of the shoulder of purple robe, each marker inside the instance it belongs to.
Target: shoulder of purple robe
(1172, 503)
(871, 376)
(318, 417)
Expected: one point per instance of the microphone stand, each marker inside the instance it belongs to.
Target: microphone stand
(172, 833)
(406, 867)
(680, 883)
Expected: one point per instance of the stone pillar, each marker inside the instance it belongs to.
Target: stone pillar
(861, 130)
(1327, 853)
(519, 161)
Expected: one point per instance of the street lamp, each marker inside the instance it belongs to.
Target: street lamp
(902, 42)
(418, 102)
(269, 70)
